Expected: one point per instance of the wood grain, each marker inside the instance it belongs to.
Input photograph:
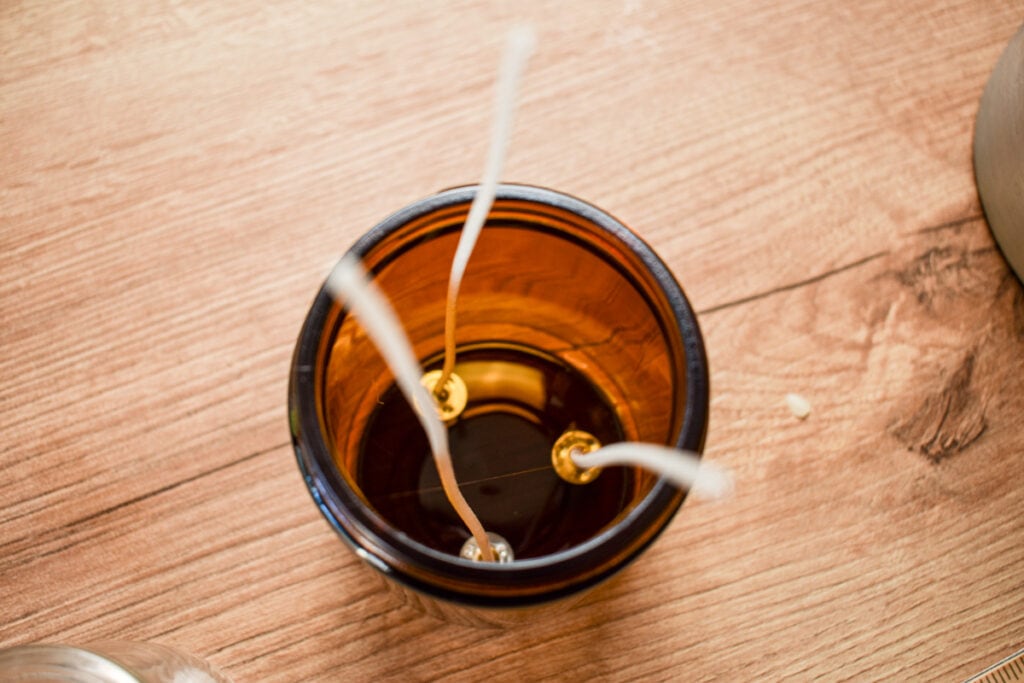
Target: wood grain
(177, 177)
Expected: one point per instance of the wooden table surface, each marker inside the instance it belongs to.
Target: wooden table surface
(177, 178)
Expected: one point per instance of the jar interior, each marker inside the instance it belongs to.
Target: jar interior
(560, 326)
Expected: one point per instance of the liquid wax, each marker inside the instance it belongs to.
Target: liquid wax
(520, 402)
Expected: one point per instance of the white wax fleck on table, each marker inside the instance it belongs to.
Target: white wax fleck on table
(798, 405)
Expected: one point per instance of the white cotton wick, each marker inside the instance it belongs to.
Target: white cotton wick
(349, 284)
(518, 47)
(682, 468)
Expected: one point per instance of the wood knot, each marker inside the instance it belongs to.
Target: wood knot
(947, 421)
(938, 272)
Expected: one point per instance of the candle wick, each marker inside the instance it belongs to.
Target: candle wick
(349, 284)
(518, 46)
(683, 468)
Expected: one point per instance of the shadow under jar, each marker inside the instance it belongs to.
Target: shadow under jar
(566, 320)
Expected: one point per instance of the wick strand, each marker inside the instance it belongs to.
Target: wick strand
(682, 468)
(518, 47)
(349, 284)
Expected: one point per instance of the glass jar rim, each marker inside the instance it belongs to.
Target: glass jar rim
(448, 576)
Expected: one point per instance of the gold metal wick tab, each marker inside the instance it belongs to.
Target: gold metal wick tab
(578, 442)
(451, 399)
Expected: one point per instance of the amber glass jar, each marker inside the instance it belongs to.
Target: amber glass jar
(566, 320)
